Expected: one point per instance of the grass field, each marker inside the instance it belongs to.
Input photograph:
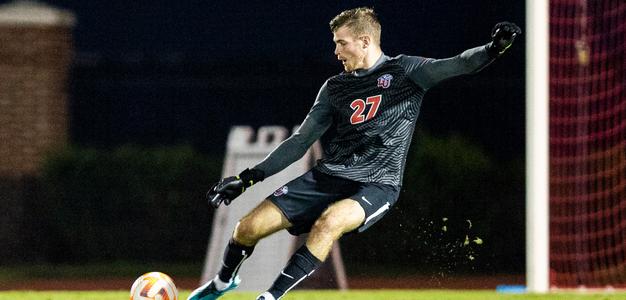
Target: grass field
(325, 295)
(129, 271)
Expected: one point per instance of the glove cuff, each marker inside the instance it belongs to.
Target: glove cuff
(492, 50)
(251, 176)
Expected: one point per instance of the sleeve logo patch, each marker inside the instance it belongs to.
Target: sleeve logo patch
(384, 81)
(281, 191)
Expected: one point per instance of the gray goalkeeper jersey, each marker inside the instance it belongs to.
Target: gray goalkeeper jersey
(369, 117)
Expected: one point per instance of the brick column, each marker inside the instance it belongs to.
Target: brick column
(35, 56)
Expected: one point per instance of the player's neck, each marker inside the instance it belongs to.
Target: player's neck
(372, 57)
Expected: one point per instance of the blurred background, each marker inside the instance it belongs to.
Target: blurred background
(115, 114)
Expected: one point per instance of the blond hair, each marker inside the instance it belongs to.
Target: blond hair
(360, 20)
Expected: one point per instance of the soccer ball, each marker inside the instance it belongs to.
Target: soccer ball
(153, 286)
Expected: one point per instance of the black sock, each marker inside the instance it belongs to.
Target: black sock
(234, 255)
(301, 265)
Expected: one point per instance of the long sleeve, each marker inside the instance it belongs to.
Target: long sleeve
(293, 148)
(427, 72)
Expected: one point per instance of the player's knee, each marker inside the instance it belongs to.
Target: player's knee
(339, 219)
(246, 232)
(329, 223)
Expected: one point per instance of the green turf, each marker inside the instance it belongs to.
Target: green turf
(324, 295)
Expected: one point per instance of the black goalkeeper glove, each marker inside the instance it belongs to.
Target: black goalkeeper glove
(502, 37)
(229, 188)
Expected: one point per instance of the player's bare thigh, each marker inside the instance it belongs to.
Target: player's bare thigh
(339, 218)
(262, 221)
(342, 216)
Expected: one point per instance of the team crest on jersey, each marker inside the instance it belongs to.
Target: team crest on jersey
(384, 81)
(281, 191)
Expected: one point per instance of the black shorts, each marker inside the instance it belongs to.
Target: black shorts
(304, 199)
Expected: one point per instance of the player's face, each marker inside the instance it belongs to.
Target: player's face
(349, 49)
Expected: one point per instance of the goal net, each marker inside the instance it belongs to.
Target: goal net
(587, 140)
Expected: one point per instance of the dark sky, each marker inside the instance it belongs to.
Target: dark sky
(161, 87)
(284, 29)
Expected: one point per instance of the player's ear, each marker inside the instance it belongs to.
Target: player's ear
(365, 41)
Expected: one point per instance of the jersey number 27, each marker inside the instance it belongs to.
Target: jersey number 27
(359, 106)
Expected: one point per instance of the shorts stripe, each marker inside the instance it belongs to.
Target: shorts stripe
(378, 212)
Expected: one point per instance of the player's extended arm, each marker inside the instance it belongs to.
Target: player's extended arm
(290, 150)
(432, 71)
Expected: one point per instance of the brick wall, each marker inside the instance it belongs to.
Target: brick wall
(35, 56)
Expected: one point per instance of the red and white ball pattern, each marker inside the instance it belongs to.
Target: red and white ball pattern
(153, 286)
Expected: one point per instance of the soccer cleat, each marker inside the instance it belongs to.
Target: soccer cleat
(265, 296)
(209, 292)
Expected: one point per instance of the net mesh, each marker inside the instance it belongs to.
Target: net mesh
(588, 143)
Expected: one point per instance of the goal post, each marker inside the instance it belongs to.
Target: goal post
(537, 167)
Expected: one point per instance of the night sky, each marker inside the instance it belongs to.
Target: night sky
(287, 30)
(166, 72)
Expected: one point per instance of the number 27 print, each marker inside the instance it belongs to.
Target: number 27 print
(359, 106)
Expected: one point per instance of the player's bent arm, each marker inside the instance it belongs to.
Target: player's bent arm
(293, 148)
(290, 150)
(315, 124)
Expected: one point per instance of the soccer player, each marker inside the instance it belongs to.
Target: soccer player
(368, 113)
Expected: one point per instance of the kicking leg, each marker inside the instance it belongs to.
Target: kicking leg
(338, 219)
(262, 221)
